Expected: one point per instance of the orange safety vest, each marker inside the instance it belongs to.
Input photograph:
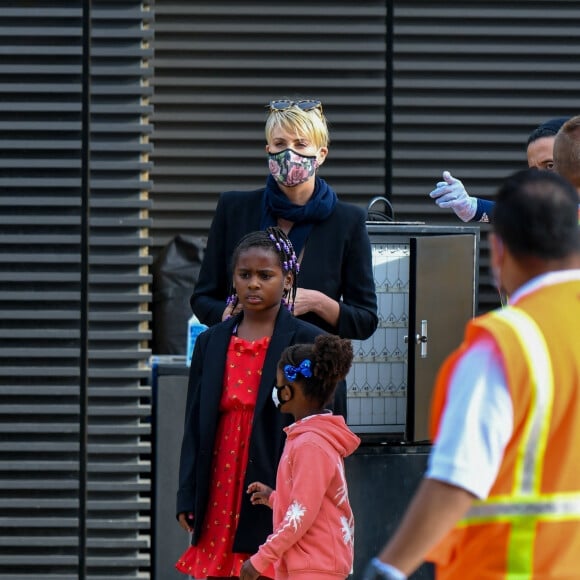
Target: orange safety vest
(529, 526)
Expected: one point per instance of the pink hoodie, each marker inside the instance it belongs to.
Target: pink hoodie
(313, 523)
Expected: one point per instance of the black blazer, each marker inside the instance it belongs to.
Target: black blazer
(201, 419)
(337, 262)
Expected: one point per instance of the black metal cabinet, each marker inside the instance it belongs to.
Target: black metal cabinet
(169, 541)
(381, 481)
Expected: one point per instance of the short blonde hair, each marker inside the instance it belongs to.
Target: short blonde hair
(312, 124)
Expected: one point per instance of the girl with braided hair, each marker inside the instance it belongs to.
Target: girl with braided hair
(288, 261)
(233, 433)
(313, 535)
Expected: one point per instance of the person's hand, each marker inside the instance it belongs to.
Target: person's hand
(318, 303)
(377, 570)
(260, 493)
(229, 311)
(248, 572)
(451, 193)
(186, 521)
(306, 301)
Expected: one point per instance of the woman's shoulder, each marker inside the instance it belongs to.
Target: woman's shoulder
(350, 209)
(346, 217)
(241, 197)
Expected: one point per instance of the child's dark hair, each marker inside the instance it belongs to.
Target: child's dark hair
(274, 239)
(330, 359)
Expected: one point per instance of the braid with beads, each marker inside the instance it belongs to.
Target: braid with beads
(275, 239)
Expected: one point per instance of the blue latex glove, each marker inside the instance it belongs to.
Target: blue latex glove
(451, 193)
(377, 570)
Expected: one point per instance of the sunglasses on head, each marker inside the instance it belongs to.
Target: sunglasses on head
(303, 105)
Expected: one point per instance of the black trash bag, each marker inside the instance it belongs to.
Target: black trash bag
(175, 272)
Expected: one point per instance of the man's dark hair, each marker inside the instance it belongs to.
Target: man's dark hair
(536, 215)
(547, 129)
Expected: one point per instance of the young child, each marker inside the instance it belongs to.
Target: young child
(313, 521)
(233, 433)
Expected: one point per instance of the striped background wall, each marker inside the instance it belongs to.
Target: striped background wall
(59, 475)
(176, 116)
(411, 88)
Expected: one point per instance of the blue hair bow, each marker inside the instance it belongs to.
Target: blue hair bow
(303, 368)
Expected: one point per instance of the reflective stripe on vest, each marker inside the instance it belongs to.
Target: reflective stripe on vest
(525, 506)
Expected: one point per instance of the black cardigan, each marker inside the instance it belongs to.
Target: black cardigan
(201, 420)
(337, 262)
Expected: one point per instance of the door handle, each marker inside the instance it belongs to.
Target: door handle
(420, 339)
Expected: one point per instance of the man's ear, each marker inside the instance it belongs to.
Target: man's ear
(498, 259)
(497, 250)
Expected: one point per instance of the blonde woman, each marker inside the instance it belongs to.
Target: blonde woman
(336, 289)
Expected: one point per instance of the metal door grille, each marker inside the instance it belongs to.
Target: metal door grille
(40, 290)
(217, 64)
(411, 88)
(471, 80)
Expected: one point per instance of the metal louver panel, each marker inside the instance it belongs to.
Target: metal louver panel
(471, 81)
(41, 444)
(217, 64)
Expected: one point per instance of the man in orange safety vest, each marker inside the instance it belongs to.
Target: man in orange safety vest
(501, 495)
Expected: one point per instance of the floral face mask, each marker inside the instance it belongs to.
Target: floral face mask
(290, 168)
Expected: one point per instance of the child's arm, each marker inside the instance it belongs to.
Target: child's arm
(312, 472)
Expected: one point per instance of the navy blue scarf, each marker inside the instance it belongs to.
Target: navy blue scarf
(275, 204)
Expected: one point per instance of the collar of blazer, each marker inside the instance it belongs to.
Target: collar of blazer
(216, 352)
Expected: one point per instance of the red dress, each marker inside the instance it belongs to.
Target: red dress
(213, 555)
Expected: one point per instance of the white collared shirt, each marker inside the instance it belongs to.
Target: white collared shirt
(477, 421)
